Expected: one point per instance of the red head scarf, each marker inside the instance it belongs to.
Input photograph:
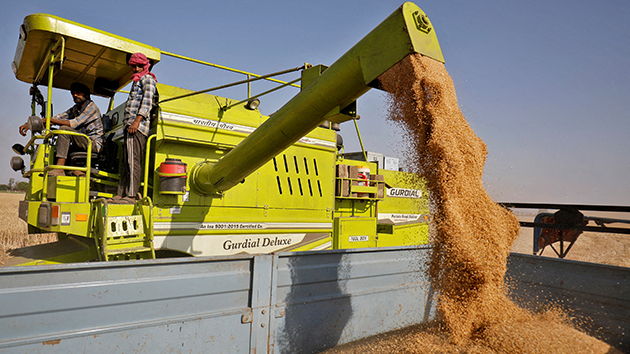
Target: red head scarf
(140, 59)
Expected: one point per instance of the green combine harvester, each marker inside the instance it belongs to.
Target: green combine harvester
(219, 177)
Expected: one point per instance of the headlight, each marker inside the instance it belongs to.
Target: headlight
(253, 104)
(17, 163)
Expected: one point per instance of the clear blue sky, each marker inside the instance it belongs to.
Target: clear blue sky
(546, 84)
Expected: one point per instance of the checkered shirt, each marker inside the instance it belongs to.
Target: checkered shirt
(85, 119)
(140, 102)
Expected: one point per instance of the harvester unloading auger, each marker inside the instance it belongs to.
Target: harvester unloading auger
(217, 181)
(405, 32)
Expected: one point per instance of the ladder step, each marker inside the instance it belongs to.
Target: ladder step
(124, 226)
(123, 234)
(128, 250)
(122, 241)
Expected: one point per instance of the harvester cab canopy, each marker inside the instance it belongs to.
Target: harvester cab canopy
(81, 54)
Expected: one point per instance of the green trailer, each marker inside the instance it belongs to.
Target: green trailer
(244, 183)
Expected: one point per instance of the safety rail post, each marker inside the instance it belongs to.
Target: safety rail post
(99, 207)
(28, 145)
(356, 126)
(61, 42)
(147, 153)
(149, 222)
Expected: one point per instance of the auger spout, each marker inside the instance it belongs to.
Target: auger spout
(406, 31)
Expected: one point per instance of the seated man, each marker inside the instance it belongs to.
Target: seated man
(85, 118)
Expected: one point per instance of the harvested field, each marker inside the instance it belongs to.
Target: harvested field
(14, 232)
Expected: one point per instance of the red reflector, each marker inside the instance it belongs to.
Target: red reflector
(54, 220)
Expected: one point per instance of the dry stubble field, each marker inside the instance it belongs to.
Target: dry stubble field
(13, 231)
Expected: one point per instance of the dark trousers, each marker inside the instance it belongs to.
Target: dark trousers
(131, 167)
(63, 142)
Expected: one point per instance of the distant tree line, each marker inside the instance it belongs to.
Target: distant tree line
(14, 186)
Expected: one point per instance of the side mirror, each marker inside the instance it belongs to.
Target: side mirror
(18, 148)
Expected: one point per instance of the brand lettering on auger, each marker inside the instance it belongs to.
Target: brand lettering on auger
(404, 193)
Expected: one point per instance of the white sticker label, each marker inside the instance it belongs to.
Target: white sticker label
(176, 210)
(404, 193)
(362, 238)
(186, 196)
(230, 226)
(400, 217)
(65, 218)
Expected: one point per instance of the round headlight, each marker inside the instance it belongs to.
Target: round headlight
(35, 124)
(253, 104)
(17, 163)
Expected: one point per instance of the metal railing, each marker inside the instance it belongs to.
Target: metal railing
(86, 170)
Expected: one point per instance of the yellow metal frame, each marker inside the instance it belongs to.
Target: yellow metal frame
(228, 69)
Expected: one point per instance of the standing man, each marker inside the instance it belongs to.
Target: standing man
(137, 122)
(85, 118)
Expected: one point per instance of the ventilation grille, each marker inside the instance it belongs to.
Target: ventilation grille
(297, 176)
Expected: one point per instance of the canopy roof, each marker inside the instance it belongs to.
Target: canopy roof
(93, 57)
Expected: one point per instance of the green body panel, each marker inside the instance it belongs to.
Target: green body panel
(290, 196)
(404, 218)
(66, 188)
(400, 218)
(410, 207)
(404, 234)
(252, 183)
(354, 232)
(73, 217)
